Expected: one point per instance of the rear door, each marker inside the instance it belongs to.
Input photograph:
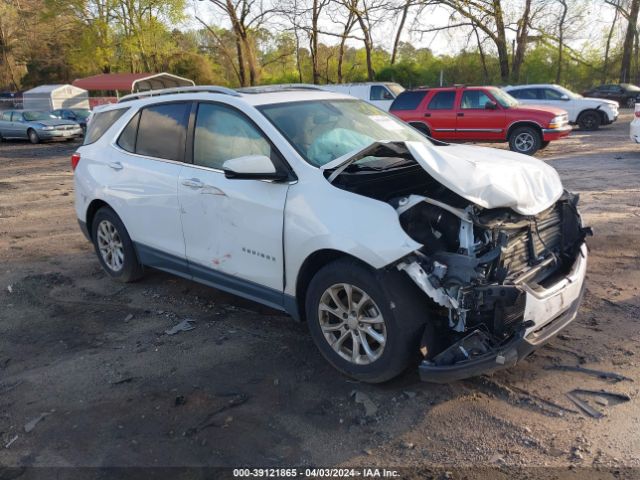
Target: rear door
(479, 116)
(232, 227)
(143, 177)
(440, 114)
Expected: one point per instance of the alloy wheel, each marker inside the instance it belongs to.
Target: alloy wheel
(524, 142)
(631, 102)
(352, 323)
(110, 245)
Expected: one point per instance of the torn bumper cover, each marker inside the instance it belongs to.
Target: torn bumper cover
(547, 311)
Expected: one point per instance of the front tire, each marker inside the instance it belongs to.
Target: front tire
(525, 140)
(114, 247)
(366, 323)
(33, 136)
(589, 121)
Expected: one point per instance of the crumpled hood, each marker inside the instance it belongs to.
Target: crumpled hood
(491, 178)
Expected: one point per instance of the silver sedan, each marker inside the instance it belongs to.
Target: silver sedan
(36, 126)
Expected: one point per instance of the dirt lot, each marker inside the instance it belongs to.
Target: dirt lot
(247, 386)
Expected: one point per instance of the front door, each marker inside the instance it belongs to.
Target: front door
(232, 227)
(479, 117)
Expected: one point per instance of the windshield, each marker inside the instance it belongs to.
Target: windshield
(568, 93)
(81, 113)
(395, 88)
(36, 116)
(323, 130)
(503, 98)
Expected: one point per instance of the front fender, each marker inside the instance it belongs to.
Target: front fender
(320, 217)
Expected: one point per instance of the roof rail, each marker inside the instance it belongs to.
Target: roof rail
(279, 88)
(173, 91)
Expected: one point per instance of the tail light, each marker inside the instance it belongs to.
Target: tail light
(75, 160)
(637, 113)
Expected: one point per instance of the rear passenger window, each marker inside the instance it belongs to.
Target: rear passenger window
(100, 123)
(127, 140)
(526, 93)
(222, 134)
(162, 130)
(442, 101)
(408, 100)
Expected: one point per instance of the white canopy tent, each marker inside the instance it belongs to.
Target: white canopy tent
(52, 97)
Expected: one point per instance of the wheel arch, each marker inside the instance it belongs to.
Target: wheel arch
(601, 113)
(524, 123)
(312, 265)
(421, 126)
(92, 209)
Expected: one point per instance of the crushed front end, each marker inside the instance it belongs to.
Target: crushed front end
(501, 283)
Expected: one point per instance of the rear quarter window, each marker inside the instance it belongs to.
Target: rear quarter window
(100, 123)
(408, 100)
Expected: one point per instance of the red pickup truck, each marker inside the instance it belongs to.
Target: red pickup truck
(481, 114)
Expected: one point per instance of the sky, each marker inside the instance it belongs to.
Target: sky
(589, 32)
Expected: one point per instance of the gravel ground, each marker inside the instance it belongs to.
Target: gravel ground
(90, 360)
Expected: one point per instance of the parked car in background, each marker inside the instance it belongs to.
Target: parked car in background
(78, 115)
(625, 94)
(322, 206)
(481, 114)
(635, 125)
(36, 126)
(380, 94)
(588, 113)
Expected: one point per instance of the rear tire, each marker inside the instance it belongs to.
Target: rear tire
(114, 247)
(589, 121)
(33, 136)
(525, 140)
(385, 319)
(630, 102)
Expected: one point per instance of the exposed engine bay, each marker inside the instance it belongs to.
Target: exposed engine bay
(473, 260)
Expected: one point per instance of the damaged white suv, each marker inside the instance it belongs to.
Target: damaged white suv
(386, 243)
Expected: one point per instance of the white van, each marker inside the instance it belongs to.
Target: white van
(380, 94)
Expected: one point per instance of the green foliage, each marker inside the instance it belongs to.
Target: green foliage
(68, 39)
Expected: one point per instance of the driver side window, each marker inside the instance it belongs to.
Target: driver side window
(222, 133)
(474, 100)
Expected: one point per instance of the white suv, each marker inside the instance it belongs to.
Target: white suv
(324, 207)
(588, 113)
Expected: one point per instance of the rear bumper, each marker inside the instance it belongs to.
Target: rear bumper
(550, 134)
(549, 310)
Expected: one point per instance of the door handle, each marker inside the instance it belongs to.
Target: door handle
(115, 165)
(460, 114)
(193, 183)
(427, 114)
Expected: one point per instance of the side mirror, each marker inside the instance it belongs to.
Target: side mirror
(252, 167)
(491, 105)
(565, 98)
